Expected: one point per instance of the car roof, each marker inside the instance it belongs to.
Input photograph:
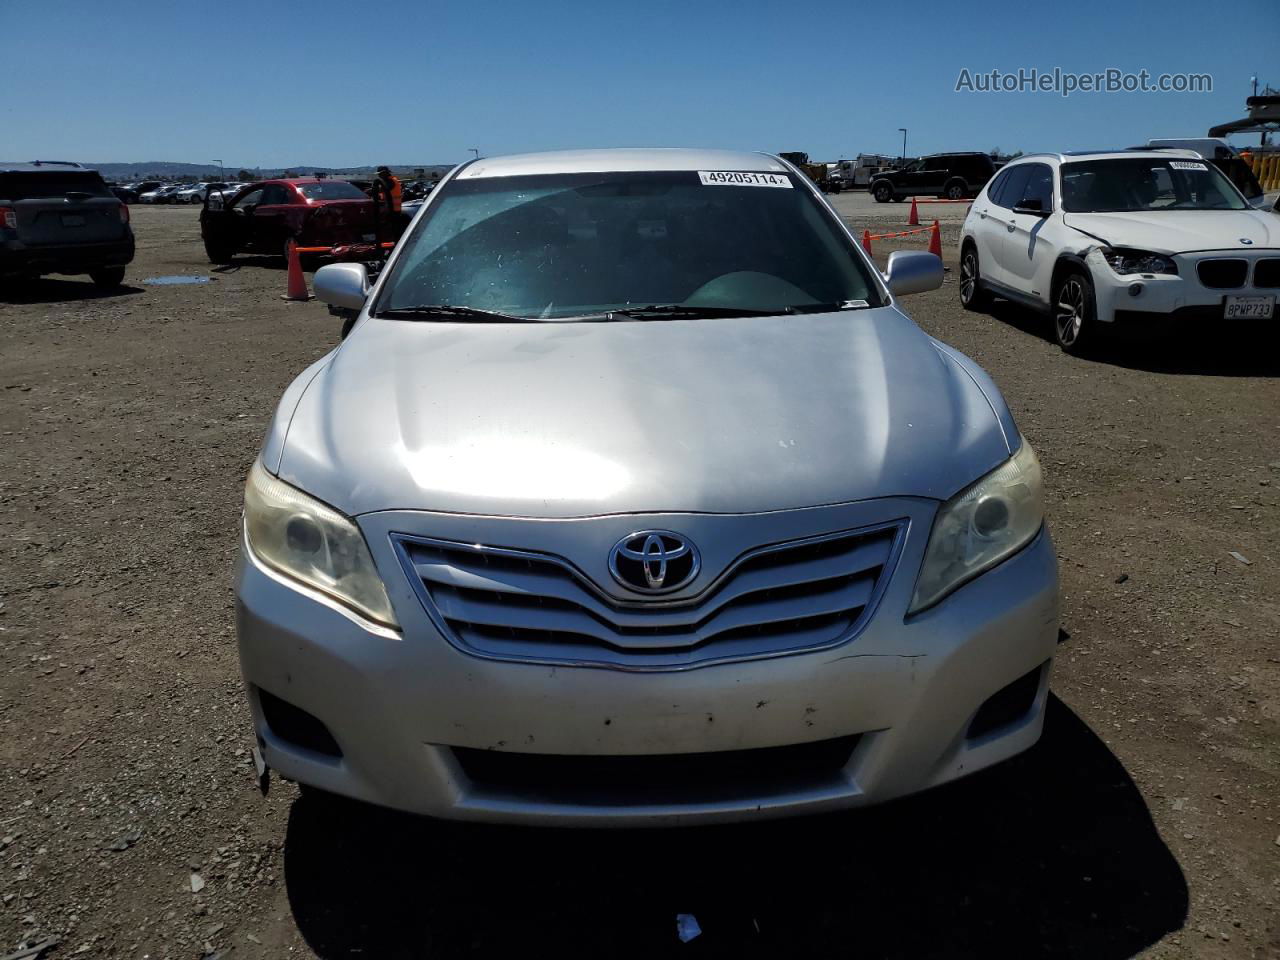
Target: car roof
(1071, 155)
(42, 166)
(628, 160)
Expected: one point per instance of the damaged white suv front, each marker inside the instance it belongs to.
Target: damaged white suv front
(1119, 238)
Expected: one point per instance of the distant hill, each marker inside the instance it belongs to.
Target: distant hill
(166, 169)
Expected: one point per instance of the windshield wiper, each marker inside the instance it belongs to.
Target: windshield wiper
(445, 311)
(678, 311)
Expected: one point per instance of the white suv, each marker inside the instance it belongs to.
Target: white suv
(1102, 239)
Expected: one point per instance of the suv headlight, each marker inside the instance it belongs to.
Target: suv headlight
(1125, 262)
(314, 544)
(980, 526)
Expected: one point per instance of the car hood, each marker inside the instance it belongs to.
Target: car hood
(581, 419)
(1181, 231)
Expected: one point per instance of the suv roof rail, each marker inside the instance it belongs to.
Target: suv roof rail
(60, 163)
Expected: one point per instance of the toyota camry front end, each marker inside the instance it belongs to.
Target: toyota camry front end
(633, 497)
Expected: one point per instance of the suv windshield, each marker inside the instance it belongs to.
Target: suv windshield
(569, 245)
(1145, 183)
(331, 190)
(55, 184)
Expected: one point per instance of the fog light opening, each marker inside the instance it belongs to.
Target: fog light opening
(296, 727)
(1007, 707)
(1135, 289)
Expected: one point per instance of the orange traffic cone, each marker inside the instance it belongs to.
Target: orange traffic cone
(914, 219)
(935, 240)
(866, 242)
(297, 286)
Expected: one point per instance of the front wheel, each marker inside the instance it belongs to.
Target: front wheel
(108, 278)
(1074, 313)
(217, 252)
(882, 192)
(955, 191)
(973, 295)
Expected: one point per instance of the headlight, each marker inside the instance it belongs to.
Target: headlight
(1125, 262)
(980, 526)
(314, 544)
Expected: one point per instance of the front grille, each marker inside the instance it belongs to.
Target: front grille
(779, 598)
(1266, 273)
(662, 778)
(1222, 274)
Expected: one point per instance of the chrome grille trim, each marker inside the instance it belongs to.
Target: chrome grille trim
(778, 599)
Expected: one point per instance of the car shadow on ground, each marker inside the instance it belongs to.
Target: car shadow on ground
(1206, 349)
(252, 260)
(1053, 854)
(51, 290)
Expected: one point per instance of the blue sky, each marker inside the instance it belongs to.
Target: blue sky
(337, 83)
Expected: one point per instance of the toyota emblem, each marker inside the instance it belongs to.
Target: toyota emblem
(654, 561)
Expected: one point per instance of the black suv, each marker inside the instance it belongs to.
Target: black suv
(951, 175)
(58, 217)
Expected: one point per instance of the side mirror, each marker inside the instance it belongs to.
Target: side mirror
(1032, 206)
(909, 271)
(343, 285)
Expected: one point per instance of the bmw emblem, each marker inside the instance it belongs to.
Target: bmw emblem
(1246, 241)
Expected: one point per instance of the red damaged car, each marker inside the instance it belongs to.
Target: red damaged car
(323, 217)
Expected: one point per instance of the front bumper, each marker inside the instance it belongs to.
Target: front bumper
(1165, 296)
(18, 258)
(398, 705)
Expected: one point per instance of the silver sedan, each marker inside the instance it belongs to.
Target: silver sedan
(633, 497)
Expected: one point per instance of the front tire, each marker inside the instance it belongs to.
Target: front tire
(218, 253)
(1075, 313)
(108, 278)
(955, 191)
(882, 192)
(973, 295)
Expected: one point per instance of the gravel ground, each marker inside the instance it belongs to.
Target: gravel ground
(1148, 819)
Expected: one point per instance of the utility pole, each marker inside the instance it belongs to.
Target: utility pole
(903, 131)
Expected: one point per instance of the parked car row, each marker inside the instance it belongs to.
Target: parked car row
(155, 191)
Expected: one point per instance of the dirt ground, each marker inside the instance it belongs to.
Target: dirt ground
(1148, 818)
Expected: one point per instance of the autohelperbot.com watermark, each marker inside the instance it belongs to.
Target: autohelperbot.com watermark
(1066, 82)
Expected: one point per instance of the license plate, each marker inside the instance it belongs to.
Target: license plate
(369, 237)
(1250, 308)
(72, 220)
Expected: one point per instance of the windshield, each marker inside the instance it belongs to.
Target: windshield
(331, 190)
(567, 245)
(1145, 183)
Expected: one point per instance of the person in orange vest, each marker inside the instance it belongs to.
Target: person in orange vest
(389, 192)
(391, 189)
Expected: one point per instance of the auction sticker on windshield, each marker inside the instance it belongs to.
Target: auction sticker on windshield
(730, 178)
(1186, 165)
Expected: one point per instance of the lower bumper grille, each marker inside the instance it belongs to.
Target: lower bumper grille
(666, 778)
(779, 598)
